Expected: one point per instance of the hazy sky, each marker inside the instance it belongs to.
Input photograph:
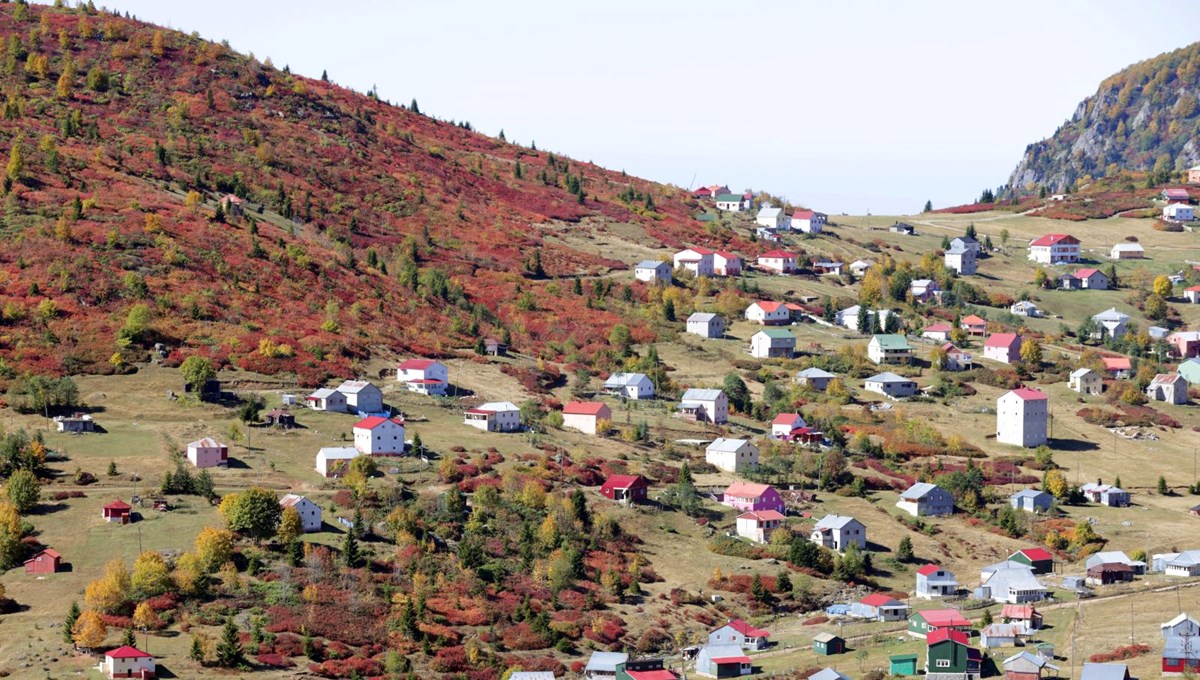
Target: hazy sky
(841, 106)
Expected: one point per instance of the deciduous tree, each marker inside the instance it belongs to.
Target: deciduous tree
(253, 513)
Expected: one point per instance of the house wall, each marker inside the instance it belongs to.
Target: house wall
(368, 399)
(580, 421)
(386, 438)
(204, 456)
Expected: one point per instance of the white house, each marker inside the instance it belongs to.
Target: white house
(956, 359)
(1185, 564)
(1054, 248)
(727, 264)
(1127, 251)
(1113, 323)
(768, 313)
(379, 436)
(890, 385)
(732, 455)
(494, 416)
(698, 261)
(778, 261)
(738, 632)
(1031, 500)
(808, 221)
(712, 661)
(1086, 381)
(706, 325)
(310, 513)
(653, 271)
(1171, 388)
(1192, 294)
(362, 396)
(926, 500)
(633, 386)
(128, 662)
(1003, 347)
(332, 460)
(860, 267)
(1178, 212)
(733, 202)
(424, 376)
(704, 406)
(937, 331)
(1011, 583)
(770, 216)
(773, 343)
(815, 378)
(966, 243)
(961, 260)
(837, 532)
(603, 665)
(1181, 625)
(924, 290)
(934, 581)
(758, 525)
(783, 424)
(585, 416)
(326, 399)
(1025, 308)
(1021, 417)
(208, 452)
(889, 349)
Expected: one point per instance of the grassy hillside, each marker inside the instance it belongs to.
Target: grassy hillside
(365, 226)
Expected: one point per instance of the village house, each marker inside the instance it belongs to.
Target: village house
(859, 267)
(1181, 655)
(828, 644)
(901, 665)
(758, 525)
(1021, 418)
(117, 511)
(1003, 347)
(207, 452)
(1184, 564)
(1106, 574)
(766, 234)
(1190, 370)
(778, 261)
(362, 397)
(934, 582)
(848, 317)
(711, 191)
(128, 662)
(973, 325)
(808, 221)
(926, 500)
(1010, 582)
(1105, 494)
(1117, 367)
(1110, 323)
(653, 271)
(1192, 294)
(1104, 671)
(783, 424)
(1178, 212)
(731, 455)
(706, 325)
(1171, 388)
(310, 513)
(1025, 615)
(956, 359)
(768, 313)
(879, 607)
(585, 416)
(773, 343)
(961, 260)
(967, 243)
(924, 290)
(719, 661)
(379, 436)
(730, 202)
(46, 561)
(327, 399)
(819, 379)
(1180, 626)
(828, 674)
(626, 489)
(1031, 500)
(603, 665)
(1025, 308)
(839, 532)
(1137, 567)
(279, 418)
(727, 264)
(1091, 279)
(922, 623)
(494, 416)
(424, 376)
(1127, 251)
(889, 349)
(1069, 282)
(1185, 344)
(890, 385)
(949, 656)
(698, 261)
(633, 386)
(1086, 381)
(827, 268)
(738, 632)
(937, 331)
(1039, 560)
(704, 406)
(903, 228)
(999, 635)
(751, 497)
(1026, 666)
(1054, 249)
(770, 216)
(333, 461)
(79, 422)
(1176, 195)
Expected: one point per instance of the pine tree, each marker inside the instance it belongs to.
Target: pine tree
(757, 590)
(350, 555)
(229, 650)
(928, 206)
(197, 653)
(1163, 489)
(783, 583)
(986, 619)
(69, 622)
(324, 76)
(413, 106)
(904, 551)
(129, 638)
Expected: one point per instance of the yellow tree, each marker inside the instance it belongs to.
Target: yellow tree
(1031, 352)
(290, 525)
(1162, 286)
(66, 81)
(145, 618)
(189, 574)
(214, 547)
(89, 630)
(1055, 483)
(111, 591)
(150, 575)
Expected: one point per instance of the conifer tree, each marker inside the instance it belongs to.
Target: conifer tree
(229, 650)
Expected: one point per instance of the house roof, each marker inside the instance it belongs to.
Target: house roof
(972, 320)
(767, 305)
(606, 661)
(323, 393)
(496, 406)
(891, 341)
(623, 379)
(835, 522)
(880, 600)
(1028, 394)
(918, 490)
(943, 634)
(825, 637)
(206, 443)
(1035, 554)
(651, 264)
(584, 408)
(786, 418)
(1117, 363)
(957, 249)
(1175, 193)
(1111, 314)
(938, 328)
(1087, 272)
(1167, 379)
(727, 444)
(727, 255)
(768, 211)
(888, 377)
(353, 386)
(1003, 630)
(1180, 618)
(777, 333)
(1029, 493)
(48, 552)
(622, 481)
(802, 215)
(941, 618)
(1017, 611)
(929, 569)
(290, 500)
(695, 394)
(1036, 661)
(1080, 372)
(777, 254)
(372, 422)
(763, 516)
(746, 490)
(1104, 671)
(127, 652)
(827, 674)
(721, 660)
(746, 629)
(1005, 340)
(729, 198)
(338, 452)
(1132, 247)
(118, 505)
(1054, 239)
(704, 317)
(814, 372)
(417, 364)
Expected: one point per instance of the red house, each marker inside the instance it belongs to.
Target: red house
(625, 488)
(118, 511)
(974, 325)
(45, 562)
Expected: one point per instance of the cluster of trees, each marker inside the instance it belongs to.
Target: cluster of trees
(182, 481)
(36, 393)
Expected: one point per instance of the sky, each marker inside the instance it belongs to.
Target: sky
(851, 107)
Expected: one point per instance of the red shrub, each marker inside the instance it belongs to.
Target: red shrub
(274, 660)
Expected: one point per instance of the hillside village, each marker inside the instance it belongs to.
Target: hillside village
(723, 436)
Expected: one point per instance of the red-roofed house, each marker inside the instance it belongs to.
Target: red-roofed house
(1021, 418)
(949, 655)
(934, 581)
(769, 313)
(1117, 367)
(1092, 279)
(117, 511)
(973, 325)
(46, 562)
(625, 488)
(1038, 559)
(879, 607)
(128, 662)
(783, 424)
(644, 669)
(585, 416)
(1025, 614)
(710, 191)
(722, 661)
(1003, 347)
(1176, 196)
(808, 221)
(956, 359)
(1054, 248)
(379, 436)
(727, 264)
(778, 261)
(1192, 294)
(738, 632)
(424, 376)
(758, 526)
(938, 331)
(922, 623)
(751, 497)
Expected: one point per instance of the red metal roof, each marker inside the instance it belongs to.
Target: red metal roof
(762, 516)
(652, 675)
(372, 422)
(878, 600)
(1029, 394)
(731, 659)
(621, 481)
(943, 634)
(583, 408)
(768, 306)
(1086, 272)
(786, 418)
(127, 652)
(118, 505)
(802, 215)
(777, 254)
(1002, 340)
(746, 629)
(938, 328)
(417, 364)
(746, 489)
(928, 569)
(1117, 363)
(1036, 554)
(1017, 611)
(1054, 239)
(943, 618)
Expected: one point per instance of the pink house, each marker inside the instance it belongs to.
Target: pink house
(726, 264)
(974, 325)
(1003, 347)
(1185, 343)
(207, 452)
(778, 261)
(785, 423)
(747, 497)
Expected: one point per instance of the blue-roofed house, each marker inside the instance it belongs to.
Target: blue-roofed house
(653, 271)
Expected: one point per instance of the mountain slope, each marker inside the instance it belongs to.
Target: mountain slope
(365, 227)
(1145, 118)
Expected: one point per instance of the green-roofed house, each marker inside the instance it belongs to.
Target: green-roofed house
(889, 349)
(828, 644)
(902, 664)
(773, 343)
(1190, 370)
(733, 202)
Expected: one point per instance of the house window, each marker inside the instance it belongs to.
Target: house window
(943, 663)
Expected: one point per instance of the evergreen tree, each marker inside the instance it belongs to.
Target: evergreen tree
(986, 619)
(783, 583)
(229, 650)
(413, 107)
(1163, 489)
(324, 76)
(864, 320)
(197, 653)
(928, 206)
(757, 590)
(737, 393)
(350, 554)
(69, 622)
(945, 243)
(971, 230)
(904, 551)
(129, 638)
